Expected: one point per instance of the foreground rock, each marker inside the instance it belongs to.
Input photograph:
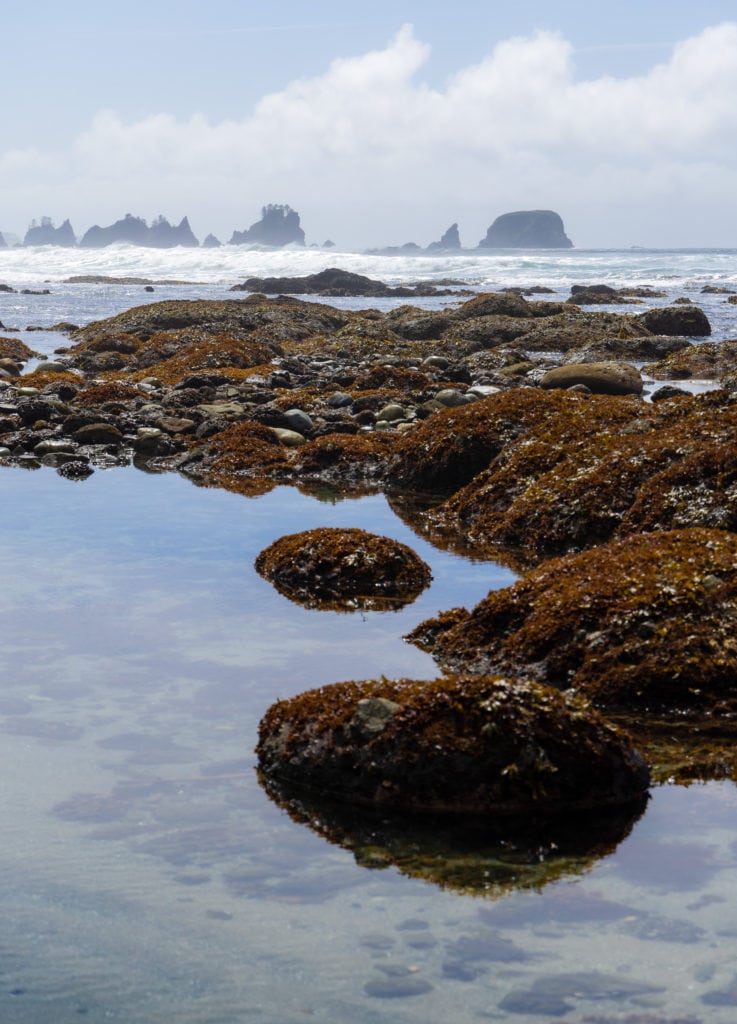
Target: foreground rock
(344, 569)
(647, 622)
(462, 745)
(535, 474)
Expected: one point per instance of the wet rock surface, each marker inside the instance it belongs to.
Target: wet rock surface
(344, 569)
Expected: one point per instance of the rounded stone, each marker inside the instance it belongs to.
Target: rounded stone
(299, 421)
(476, 745)
(344, 569)
(391, 413)
(600, 378)
(451, 397)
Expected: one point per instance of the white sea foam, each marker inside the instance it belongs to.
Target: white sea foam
(231, 264)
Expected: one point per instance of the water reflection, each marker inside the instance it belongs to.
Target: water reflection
(145, 876)
(465, 855)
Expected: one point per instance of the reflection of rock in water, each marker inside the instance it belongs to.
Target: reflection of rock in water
(466, 855)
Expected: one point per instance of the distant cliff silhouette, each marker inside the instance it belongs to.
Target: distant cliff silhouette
(279, 225)
(135, 231)
(46, 234)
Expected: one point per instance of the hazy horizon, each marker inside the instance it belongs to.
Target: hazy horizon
(380, 129)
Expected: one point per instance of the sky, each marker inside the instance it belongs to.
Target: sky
(381, 123)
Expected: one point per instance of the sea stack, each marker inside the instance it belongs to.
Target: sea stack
(279, 226)
(527, 229)
(46, 234)
(450, 240)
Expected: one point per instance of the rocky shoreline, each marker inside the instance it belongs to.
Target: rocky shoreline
(507, 426)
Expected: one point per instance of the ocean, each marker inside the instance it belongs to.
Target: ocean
(145, 875)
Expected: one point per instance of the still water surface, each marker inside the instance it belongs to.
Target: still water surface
(146, 877)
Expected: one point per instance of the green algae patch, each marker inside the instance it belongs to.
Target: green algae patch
(458, 745)
(344, 570)
(646, 622)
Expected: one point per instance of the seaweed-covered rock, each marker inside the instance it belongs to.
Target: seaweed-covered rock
(449, 449)
(602, 378)
(710, 361)
(569, 479)
(645, 622)
(344, 569)
(460, 745)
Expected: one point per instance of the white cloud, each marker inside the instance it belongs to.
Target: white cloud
(369, 153)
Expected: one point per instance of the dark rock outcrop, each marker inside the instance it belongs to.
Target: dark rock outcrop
(135, 231)
(279, 226)
(450, 240)
(46, 234)
(344, 569)
(333, 282)
(3, 243)
(211, 242)
(458, 745)
(689, 321)
(527, 229)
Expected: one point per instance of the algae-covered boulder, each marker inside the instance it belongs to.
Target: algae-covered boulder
(458, 745)
(344, 569)
(647, 622)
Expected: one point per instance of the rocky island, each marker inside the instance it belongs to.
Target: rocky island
(527, 229)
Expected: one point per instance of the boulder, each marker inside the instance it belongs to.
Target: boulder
(279, 226)
(460, 745)
(344, 569)
(594, 294)
(690, 321)
(600, 378)
(527, 229)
